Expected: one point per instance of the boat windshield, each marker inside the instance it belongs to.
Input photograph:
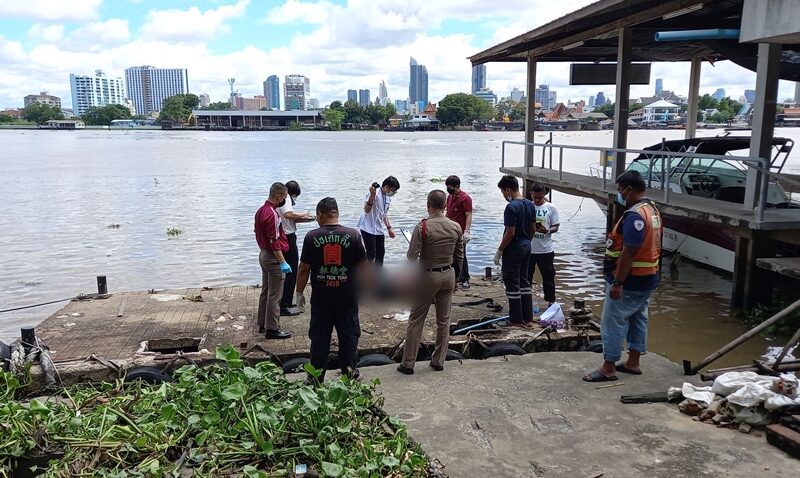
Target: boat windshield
(678, 164)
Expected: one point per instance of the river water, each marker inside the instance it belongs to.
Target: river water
(60, 192)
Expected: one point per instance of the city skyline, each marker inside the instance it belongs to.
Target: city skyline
(42, 42)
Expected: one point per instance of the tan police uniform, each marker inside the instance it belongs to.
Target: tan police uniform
(437, 243)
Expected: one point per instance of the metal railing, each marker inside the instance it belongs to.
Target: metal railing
(668, 170)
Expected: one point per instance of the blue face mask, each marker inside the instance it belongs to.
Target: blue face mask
(621, 199)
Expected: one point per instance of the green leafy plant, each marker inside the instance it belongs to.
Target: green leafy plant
(234, 419)
(112, 226)
(784, 327)
(174, 232)
(295, 126)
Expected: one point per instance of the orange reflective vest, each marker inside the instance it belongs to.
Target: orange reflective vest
(645, 262)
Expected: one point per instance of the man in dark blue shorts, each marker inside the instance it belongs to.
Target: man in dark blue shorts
(514, 252)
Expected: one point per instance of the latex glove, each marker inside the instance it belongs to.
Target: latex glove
(466, 237)
(498, 256)
(286, 268)
(300, 300)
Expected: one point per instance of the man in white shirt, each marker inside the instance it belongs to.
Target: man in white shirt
(375, 218)
(289, 218)
(542, 253)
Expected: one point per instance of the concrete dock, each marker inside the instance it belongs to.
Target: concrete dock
(533, 416)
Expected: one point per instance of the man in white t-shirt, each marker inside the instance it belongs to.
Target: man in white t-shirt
(542, 253)
(374, 220)
(289, 218)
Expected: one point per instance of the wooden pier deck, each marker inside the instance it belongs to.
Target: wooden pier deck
(116, 328)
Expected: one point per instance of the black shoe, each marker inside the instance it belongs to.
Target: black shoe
(261, 330)
(277, 334)
(464, 286)
(438, 368)
(405, 370)
(291, 311)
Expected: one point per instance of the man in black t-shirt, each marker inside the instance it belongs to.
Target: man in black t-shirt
(334, 257)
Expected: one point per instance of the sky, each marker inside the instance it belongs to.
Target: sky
(338, 44)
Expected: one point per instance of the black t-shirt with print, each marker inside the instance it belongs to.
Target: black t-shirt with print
(333, 253)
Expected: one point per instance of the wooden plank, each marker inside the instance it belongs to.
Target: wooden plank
(121, 309)
(788, 266)
(784, 438)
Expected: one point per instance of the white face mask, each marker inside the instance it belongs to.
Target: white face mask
(391, 193)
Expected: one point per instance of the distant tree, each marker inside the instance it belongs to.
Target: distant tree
(463, 109)
(178, 108)
(707, 102)
(333, 117)
(607, 109)
(636, 106)
(388, 111)
(353, 113)
(40, 113)
(219, 105)
(104, 115)
(295, 126)
(337, 105)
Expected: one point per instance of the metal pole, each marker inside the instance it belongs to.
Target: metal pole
(551, 151)
(785, 350)
(560, 163)
(762, 200)
(530, 112)
(694, 93)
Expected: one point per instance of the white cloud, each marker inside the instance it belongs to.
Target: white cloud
(192, 24)
(50, 10)
(47, 33)
(102, 34)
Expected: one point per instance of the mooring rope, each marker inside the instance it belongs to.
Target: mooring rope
(38, 305)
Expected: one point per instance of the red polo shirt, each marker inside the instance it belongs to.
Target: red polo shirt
(458, 205)
(269, 230)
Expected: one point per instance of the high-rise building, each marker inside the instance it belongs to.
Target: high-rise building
(205, 100)
(383, 94)
(255, 103)
(401, 106)
(97, 90)
(750, 96)
(600, 99)
(44, 99)
(296, 90)
(313, 104)
(719, 94)
(418, 82)
(590, 104)
(487, 95)
(547, 97)
(363, 98)
(659, 86)
(478, 78)
(352, 95)
(797, 94)
(272, 90)
(149, 86)
(517, 94)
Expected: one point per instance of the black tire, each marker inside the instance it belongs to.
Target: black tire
(295, 365)
(151, 375)
(374, 359)
(593, 346)
(498, 350)
(5, 356)
(453, 355)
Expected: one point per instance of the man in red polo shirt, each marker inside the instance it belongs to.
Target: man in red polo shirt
(459, 209)
(272, 241)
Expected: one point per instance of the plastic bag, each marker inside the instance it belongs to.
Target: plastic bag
(552, 316)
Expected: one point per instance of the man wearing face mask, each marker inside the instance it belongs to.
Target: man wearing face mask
(514, 252)
(335, 259)
(290, 218)
(459, 209)
(631, 265)
(376, 217)
(272, 241)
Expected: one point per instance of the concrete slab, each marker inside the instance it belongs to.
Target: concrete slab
(533, 416)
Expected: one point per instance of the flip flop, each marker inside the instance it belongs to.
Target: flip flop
(622, 368)
(598, 376)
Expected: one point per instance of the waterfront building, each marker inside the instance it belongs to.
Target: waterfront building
(401, 106)
(478, 78)
(591, 102)
(313, 104)
(750, 96)
(67, 112)
(661, 111)
(517, 94)
(487, 95)
(205, 100)
(383, 93)
(255, 103)
(44, 99)
(272, 90)
(148, 86)
(599, 100)
(352, 95)
(363, 98)
(719, 94)
(659, 86)
(267, 120)
(97, 90)
(296, 90)
(417, 83)
(797, 93)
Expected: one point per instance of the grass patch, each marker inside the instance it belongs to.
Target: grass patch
(218, 421)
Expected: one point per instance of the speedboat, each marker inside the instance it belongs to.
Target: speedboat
(715, 179)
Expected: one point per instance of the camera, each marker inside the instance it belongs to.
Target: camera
(376, 185)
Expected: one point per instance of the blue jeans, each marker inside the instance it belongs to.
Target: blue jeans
(624, 318)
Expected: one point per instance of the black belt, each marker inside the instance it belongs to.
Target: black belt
(439, 269)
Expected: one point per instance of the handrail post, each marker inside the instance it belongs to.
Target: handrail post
(604, 159)
(551, 150)
(666, 185)
(503, 155)
(560, 163)
(762, 200)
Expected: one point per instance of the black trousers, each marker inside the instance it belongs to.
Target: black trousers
(345, 320)
(293, 259)
(462, 269)
(516, 258)
(545, 264)
(375, 248)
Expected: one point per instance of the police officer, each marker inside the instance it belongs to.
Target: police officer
(437, 244)
(633, 250)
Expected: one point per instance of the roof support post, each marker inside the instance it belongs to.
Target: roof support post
(621, 107)
(530, 111)
(694, 92)
(769, 67)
